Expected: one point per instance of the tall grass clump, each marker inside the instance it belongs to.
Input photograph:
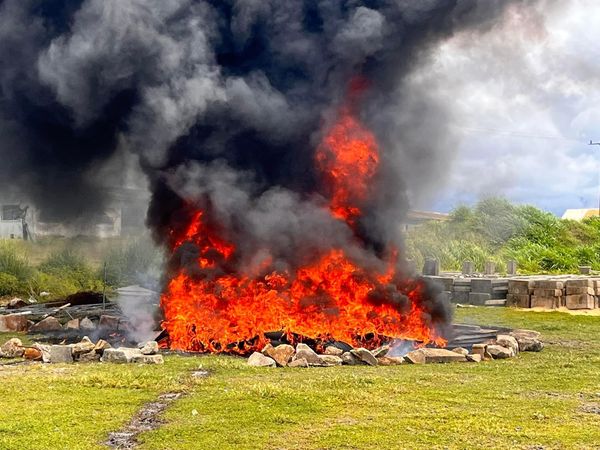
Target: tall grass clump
(137, 262)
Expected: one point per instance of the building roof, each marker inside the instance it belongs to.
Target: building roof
(580, 214)
(426, 215)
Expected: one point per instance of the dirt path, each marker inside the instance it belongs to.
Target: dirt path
(147, 419)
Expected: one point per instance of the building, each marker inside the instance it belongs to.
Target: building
(415, 218)
(580, 214)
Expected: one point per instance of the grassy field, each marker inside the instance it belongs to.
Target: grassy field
(544, 400)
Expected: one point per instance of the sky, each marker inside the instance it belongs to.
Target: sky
(524, 101)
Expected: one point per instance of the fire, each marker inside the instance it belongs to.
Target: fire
(348, 160)
(332, 298)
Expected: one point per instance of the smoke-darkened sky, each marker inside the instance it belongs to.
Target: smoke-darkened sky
(468, 98)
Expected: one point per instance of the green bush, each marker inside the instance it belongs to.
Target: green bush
(9, 284)
(132, 264)
(13, 264)
(64, 273)
(495, 230)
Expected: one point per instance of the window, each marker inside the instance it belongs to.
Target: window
(11, 212)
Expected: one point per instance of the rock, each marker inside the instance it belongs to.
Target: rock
(72, 324)
(330, 360)
(499, 352)
(525, 333)
(86, 324)
(259, 360)
(84, 346)
(478, 349)
(476, 357)
(101, 345)
(304, 351)
(13, 348)
(415, 357)
(350, 360)
(13, 323)
(509, 342)
(89, 357)
(149, 348)
(528, 340)
(365, 355)
(298, 363)
(16, 303)
(461, 351)
(390, 360)
(530, 345)
(61, 354)
(381, 351)
(434, 355)
(33, 354)
(331, 350)
(45, 349)
(109, 322)
(147, 359)
(266, 348)
(282, 354)
(120, 355)
(47, 324)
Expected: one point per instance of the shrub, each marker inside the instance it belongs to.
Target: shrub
(9, 284)
(13, 264)
(136, 263)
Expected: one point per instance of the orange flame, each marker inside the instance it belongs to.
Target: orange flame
(330, 299)
(348, 160)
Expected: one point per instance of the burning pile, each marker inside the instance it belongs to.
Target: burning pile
(216, 308)
(280, 141)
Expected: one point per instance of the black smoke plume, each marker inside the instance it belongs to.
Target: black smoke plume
(224, 101)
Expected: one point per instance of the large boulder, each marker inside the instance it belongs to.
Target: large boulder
(16, 303)
(120, 355)
(330, 360)
(84, 346)
(528, 340)
(332, 350)
(72, 324)
(149, 348)
(282, 354)
(45, 350)
(433, 355)
(350, 360)
(47, 324)
(86, 324)
(303, 351)
(298, 363)
(13, 348)
(390, 360)
(499, 352)
(11, 323)
(365, 356)
(108, 322)
(61, 354)
(257, 359)
(509, 342)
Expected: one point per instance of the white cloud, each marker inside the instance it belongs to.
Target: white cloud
(525, 100)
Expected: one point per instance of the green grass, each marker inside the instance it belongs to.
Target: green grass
(533, 400)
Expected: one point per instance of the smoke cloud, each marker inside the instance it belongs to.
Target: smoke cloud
(224, 103)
